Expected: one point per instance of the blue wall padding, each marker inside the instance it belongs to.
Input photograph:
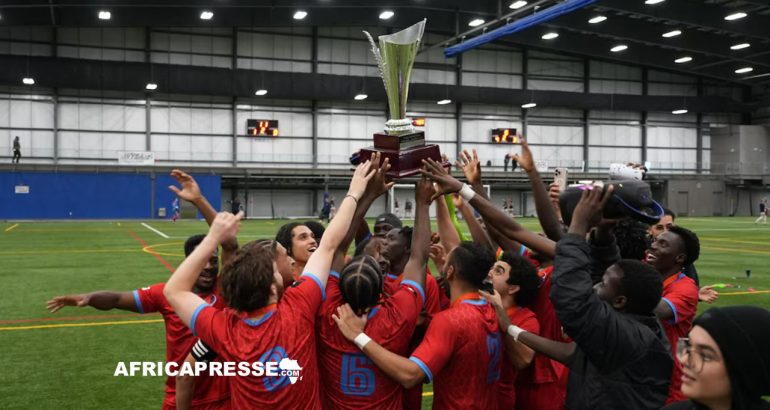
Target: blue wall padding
(518, 25)
(92, 196)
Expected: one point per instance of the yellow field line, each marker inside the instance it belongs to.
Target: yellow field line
(41, 251)
(126, 322)
(743, 293)
(11, 228)
(736, 250)
(427, 393)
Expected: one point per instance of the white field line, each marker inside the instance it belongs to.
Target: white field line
(155, 230)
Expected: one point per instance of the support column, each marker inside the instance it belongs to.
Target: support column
(55, 101)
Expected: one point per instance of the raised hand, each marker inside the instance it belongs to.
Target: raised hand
(225, 226)
(364, 173)
(445, 183)
(55, 304)
(350, 325)
(190, 191)
(423, 190)
(471, 166)
(525, 160)
(588, 212)
(437, 255)
(379, 183)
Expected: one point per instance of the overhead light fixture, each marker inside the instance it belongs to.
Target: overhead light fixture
(151, 87)
(445, 101)
(386, 15)
(619, 47)
(672, 33)
(28, 80)
(517, 4)
(529, 105)
(476, 22)
(550, 36)
(740, 46)
(300, 14)
(685, 59)
(653, 1)
(360, 97)
(679, 112)
(261, 92)
(104, 15)
(207, 15)
(597, 19)
(735, 16)
(744, 70)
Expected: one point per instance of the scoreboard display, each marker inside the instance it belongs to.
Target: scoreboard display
(505, 136)
(418, 122)
(259, 128)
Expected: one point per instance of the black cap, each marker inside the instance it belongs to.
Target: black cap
(389, 219)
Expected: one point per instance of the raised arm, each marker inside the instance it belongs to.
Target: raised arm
(546, 214)
(191, 193)
(477, 232)
(418, 258)
(447, 228)
(493, 216)
(320, 261)
(178, 289)
(102, 300)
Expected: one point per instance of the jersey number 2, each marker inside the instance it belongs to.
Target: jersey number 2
(357, 379)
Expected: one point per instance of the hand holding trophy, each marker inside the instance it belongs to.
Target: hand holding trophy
(400, 143)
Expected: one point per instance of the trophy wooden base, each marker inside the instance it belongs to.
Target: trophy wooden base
(404, 163)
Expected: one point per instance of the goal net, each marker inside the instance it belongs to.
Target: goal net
(401, 201)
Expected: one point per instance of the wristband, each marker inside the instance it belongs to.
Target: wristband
(361, 340)
(353, 197)
(514, 331)
(467, 192)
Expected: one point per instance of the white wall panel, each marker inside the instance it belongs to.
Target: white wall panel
(34, 143)
(292, 151)
(74, 144)
(672, 158)
(600, 69)
(671, 89)
(604, 156)
(615, 135)
(615, 87)
(26, 114)
(545, 134)
(555, 68)
(491, 80)
(349, 126)
(571, 86)
(671, 137)
(491, 60)
(558, 156)
(274, 46)
(440, 129)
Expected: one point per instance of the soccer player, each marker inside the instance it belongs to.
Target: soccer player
(175, 210)
(256, 327)
(462, 347)
(211, 392)
(669, 254)
(300, 243)
(620, 358)
(350, 380)
(516, 280)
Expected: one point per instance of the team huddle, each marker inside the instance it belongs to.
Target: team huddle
(593, 314)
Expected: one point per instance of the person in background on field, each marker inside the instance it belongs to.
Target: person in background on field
(408, 209)
(762, 210)
(726, 360)
(16, 150)
(175, 210)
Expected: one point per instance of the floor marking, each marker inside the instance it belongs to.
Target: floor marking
(66, 318)
(11, 228)
(154, 230)
(158, 257)
(427, 394)
(127, 322)
(151, 249)
(743, 293)
(52, 251)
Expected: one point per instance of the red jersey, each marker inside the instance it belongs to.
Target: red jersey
(179, 342)
(681, 294)
(349, 379)
(462, 349)
(285, 335)
(506, 393)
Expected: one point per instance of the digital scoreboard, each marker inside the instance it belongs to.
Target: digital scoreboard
(260, 128)
(505, 136)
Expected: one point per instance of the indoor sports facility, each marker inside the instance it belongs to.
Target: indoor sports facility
(127, 126)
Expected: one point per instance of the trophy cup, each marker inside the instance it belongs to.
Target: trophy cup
(404, 147)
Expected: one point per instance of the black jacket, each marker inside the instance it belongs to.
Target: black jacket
(622, 361)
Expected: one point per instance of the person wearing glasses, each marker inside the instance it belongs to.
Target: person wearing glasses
(726, 360)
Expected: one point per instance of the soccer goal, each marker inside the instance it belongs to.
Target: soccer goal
(402, 195)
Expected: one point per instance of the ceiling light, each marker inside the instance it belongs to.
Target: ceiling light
(260, 92)
(736, 16)
(744, 70)
(207, 15)
(740, 46)
(360, 97)
(597, 19)
(300, 14)
(529, 105)
(618, 48)
(476, 22)
(104, 15)
(653, 1)
(550, 36)
(151, 86)
(386, 15)
(678, 112)
(444, 101)
(681, 60)
(672, 33)
(28, 80)
(517, 4)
